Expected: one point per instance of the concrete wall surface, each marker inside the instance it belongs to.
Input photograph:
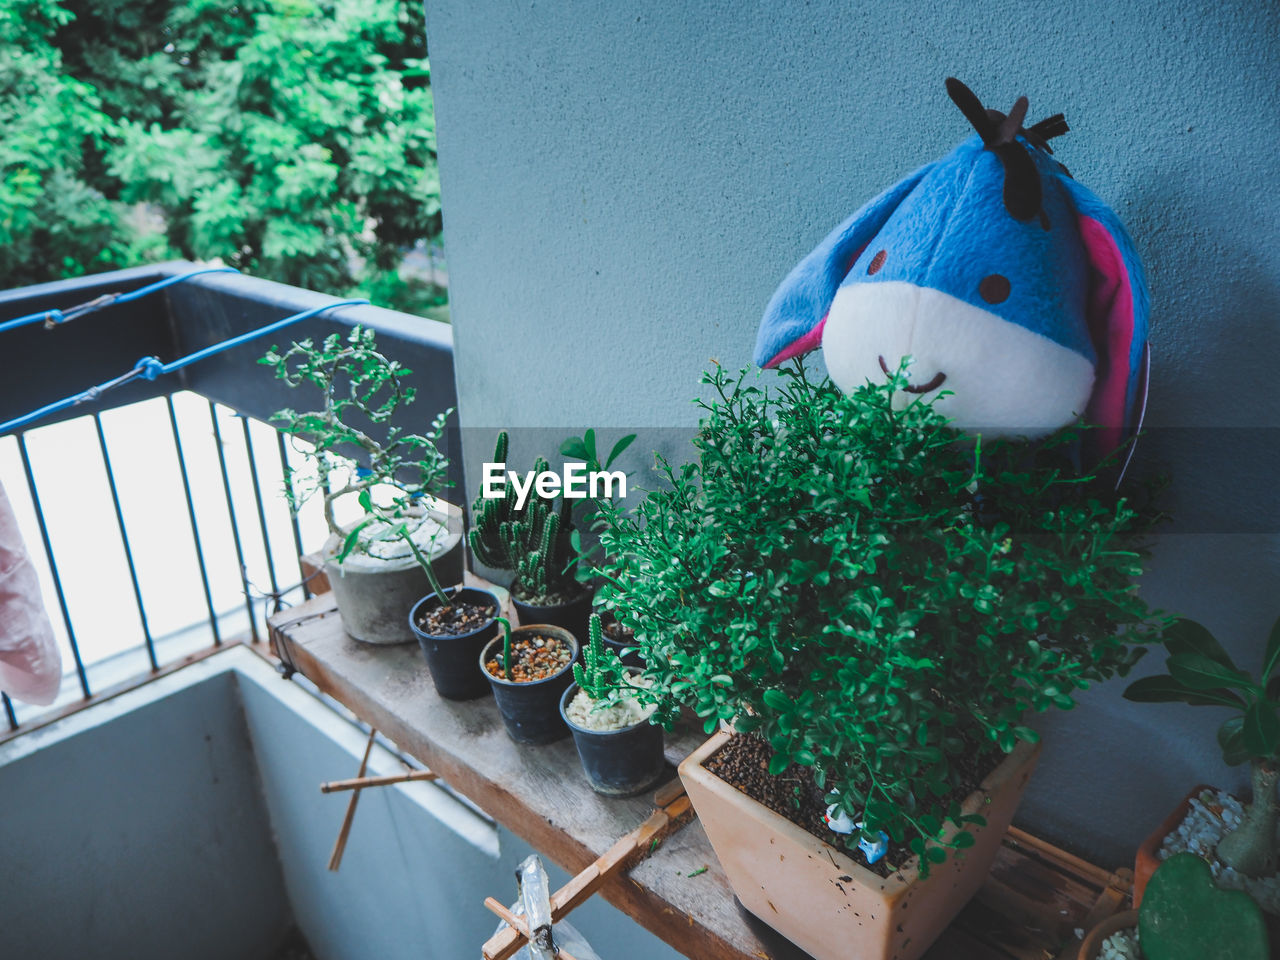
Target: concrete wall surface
(624, 185)
(136, 829)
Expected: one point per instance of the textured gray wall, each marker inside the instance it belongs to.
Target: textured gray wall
(144, 836)
(625, 183)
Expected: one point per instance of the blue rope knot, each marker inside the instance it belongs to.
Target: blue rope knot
(52, 318)
(149, 367)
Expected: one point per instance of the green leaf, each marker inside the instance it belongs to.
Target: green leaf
(574, 449)
(1165, 689)
(1186, 636)
(1261, 729)
(1231, 740)
(618, 448)
(1273, 651)
(936, 854)
(1202, 673)
(963, 840)
(777, 699)
(778, 764)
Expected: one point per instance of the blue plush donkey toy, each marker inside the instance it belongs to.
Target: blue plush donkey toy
(1006, 281)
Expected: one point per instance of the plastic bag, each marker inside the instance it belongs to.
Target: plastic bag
(30, 664)
(535, 904)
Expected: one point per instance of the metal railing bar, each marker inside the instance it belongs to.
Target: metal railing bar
(53, 564)
(257, 500)
(128, 548)
(235, 524)
(191, 517)
(293, 517)
(8, 711)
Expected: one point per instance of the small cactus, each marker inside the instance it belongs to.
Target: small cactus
(1185, 916)
(600, 674)
(534, 543)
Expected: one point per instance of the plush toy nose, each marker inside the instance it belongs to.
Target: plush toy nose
(1004, 379)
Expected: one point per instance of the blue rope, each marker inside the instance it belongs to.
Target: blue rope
(51, 318)
(151, 367)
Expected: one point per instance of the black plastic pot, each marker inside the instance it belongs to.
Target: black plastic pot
(452, 659)
(618, 763)
(628, 653)
(530, 711)
(572, 615)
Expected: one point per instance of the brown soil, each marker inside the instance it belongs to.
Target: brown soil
(456, 620)
(533, 658)
(743, 762)
(615, 631)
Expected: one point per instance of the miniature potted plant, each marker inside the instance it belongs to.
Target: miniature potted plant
(620, 750)
(875, 603)
(1184, 916)
(534, 543)
(388, 558)
(1244, 851)
(528, 669)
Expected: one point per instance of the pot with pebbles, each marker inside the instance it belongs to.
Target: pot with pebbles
(380, 563)
(1185, 915)
(452, 634)
(862, 594)
(1239, 839)
(620, 750)
(528, 669)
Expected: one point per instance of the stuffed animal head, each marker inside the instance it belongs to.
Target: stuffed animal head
(1006, 282)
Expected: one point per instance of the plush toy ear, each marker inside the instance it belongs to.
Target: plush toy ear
(1117, 308)
(792, 323)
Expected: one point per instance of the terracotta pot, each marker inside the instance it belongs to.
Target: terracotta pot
(1112, 924)
(821, 899)
(1146, 859)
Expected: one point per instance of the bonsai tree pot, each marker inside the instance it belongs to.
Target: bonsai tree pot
(531, 711)
(819, 897)
(1148, 856)
(451, 658)
(572, 615)
(373, 593)
(1092, 943)
(618, 763)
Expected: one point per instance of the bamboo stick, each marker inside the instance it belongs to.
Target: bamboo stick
(340, 846)
(359, 783)
(519, 926)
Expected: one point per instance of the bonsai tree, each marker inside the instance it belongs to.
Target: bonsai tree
(534, 542)
(1201, 673)
(878, 597)
(360, 390)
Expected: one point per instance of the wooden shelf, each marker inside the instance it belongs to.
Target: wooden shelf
(1033, 901)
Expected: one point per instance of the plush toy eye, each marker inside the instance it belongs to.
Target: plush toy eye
(876, 263)
(994, 288)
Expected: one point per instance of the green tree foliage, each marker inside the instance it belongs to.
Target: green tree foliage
(293, 139)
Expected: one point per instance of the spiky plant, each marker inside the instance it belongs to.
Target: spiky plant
(602, 672)
(533, 542)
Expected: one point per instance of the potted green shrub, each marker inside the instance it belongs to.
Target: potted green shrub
(876, 603)
(528, 669)
(535, 544)
(620, 750)
(1201, 673)
(388, 558)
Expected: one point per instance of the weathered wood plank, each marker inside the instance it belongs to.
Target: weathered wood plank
(1028, 909)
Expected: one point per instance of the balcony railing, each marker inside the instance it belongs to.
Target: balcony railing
(138, 576)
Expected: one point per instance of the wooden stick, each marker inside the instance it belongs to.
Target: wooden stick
(519, 926)
(360, 783)
(615, 861)
(339, 847)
